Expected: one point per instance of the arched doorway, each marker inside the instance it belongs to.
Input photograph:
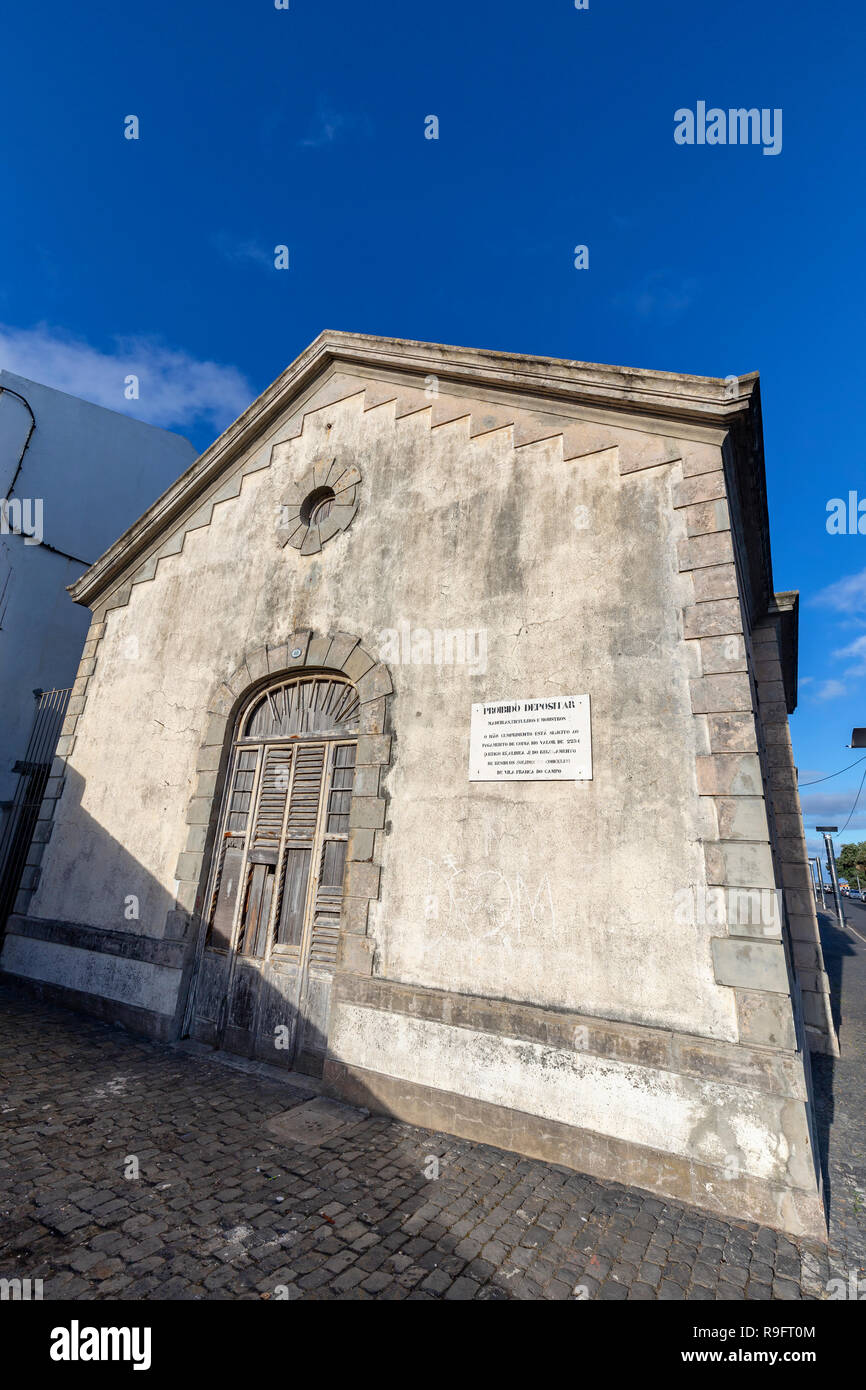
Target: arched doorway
(276, 882)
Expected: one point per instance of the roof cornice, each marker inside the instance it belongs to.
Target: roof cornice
(674, 397)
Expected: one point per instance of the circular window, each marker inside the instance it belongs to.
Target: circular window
(319, 505)
(316, 507)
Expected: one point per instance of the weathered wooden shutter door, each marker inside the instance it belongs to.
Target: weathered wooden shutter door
(229, 881)
(273, 927)
(324, 931)
(249, 982)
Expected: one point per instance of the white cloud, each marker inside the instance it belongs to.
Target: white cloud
(660, 294)
(846, 595)
(249, 250)
(829, 806)
(855, 651)
(830, 690)
(176, 390)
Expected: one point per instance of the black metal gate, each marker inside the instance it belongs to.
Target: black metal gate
(33, 771)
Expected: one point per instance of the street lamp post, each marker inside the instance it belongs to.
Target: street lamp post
(819, 879)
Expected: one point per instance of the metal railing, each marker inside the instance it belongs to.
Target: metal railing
(33, 772)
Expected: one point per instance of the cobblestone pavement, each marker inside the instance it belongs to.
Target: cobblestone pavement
(223, 1210)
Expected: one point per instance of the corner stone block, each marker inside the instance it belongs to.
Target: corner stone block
(801, 906)
(703, 518)
(205, 784)
(792, 848)
(353, 915)
(209, 758)
(796, 875)
(739, 864)
(35, 852)
(199, 810)
(355, 955)
(176, 925)
(366, 780)
(756, 965)
(196, 838)
(362, 880)
(716, 581)
(790, 826)
(188, 867)
(765, 1020)
(374, 748)
(700, 458)
(720, 694)
(719, 618)
(361, 846)
(705, 487)
(721, 655)
(215, 729)
(187, 892)
(742, 818)
(698, 552)
(367, 813)
(766, 668)
(770, 692)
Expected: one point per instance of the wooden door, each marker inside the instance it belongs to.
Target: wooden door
(264, 979)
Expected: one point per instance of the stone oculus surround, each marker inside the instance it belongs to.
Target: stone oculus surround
(583, 972)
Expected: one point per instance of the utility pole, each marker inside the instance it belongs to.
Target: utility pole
(827, 831)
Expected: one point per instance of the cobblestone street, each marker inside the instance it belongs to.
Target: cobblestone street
(223, 1209)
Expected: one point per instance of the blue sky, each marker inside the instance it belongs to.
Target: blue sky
(305, 127)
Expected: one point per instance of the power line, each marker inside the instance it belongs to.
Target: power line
(856, 799)
(833, 774)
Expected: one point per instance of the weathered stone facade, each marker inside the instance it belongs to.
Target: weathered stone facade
(621, 974)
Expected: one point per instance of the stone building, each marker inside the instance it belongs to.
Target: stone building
(431, 736)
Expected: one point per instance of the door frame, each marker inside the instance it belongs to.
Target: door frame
(301, 955)
(304, 653)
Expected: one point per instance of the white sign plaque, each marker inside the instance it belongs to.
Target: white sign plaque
(531, 740)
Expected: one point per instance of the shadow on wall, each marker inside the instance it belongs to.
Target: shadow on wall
(128, 955)
(119, 950)
(836, 947)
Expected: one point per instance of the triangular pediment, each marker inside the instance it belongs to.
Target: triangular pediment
(592, 408)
